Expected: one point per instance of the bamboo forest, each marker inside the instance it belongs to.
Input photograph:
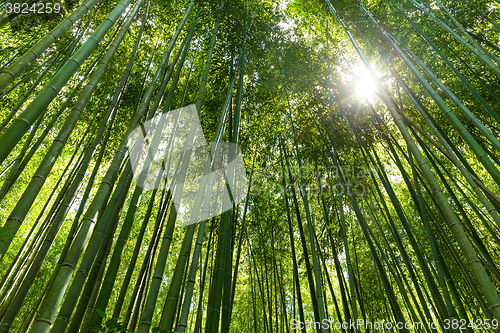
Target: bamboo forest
(249, 166)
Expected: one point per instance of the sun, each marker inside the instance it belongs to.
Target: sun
(364, 86)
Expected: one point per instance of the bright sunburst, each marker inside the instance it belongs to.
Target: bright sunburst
(364, 85)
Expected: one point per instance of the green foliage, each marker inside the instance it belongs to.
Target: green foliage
(110, 325)
(298, 63)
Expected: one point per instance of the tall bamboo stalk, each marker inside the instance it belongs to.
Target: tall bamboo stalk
(14, 70)
(23, 122)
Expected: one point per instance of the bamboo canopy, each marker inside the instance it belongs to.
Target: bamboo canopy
(249, 166)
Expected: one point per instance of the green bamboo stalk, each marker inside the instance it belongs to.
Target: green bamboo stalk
(451, 248)
(464, 133)
(305, 254)
(317, 273)
(221, 279)
(265, 276)
(273, 279)
(202, 197)
(338, 270)
(26, 77)
(392, 298)
(13, 71)
(234, 130)
(282, 289)
(462, 78)
(393, 269)
(350, 272)
(345, 184)
(135, 197)
(66, 270)
(332, 292)
(126, 281)
(352, 282)
(438, 260)
(186, 305)
(84, 327)
(75, 225)
(23, 122)
(473, 119)
(56, 217)
(414, 195)
(93, 282)
(399, 210)
(453, 154)
(21, 263)
(22, 48)
(467, 44)
(464, 32)
(50, 304)
(471, 231)
(85, 196)
(19, 104)
(454, 223)
(199, 313)
(137, 298)
(70, 48)
(22, 207)
(493, 22)
(138, 294)
(21, 164)
(253, 299)
(146, 317)
(262, 294)
(164, 201)
(92, 250)
(236, 122)
(111, 273)
(14, 169)
(34, 247)
(475, 73)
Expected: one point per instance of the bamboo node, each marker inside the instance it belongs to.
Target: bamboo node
(36, 56)
(495, 306)
(107, 183)
(50, 33)
(5, 72)
(24, 121)
(15, 218)
(84, 5)
(481, 156)
(52, 87)
(63, 318)
(107, 18)
(38, 176)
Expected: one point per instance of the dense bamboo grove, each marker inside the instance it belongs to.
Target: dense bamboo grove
(370, 135)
